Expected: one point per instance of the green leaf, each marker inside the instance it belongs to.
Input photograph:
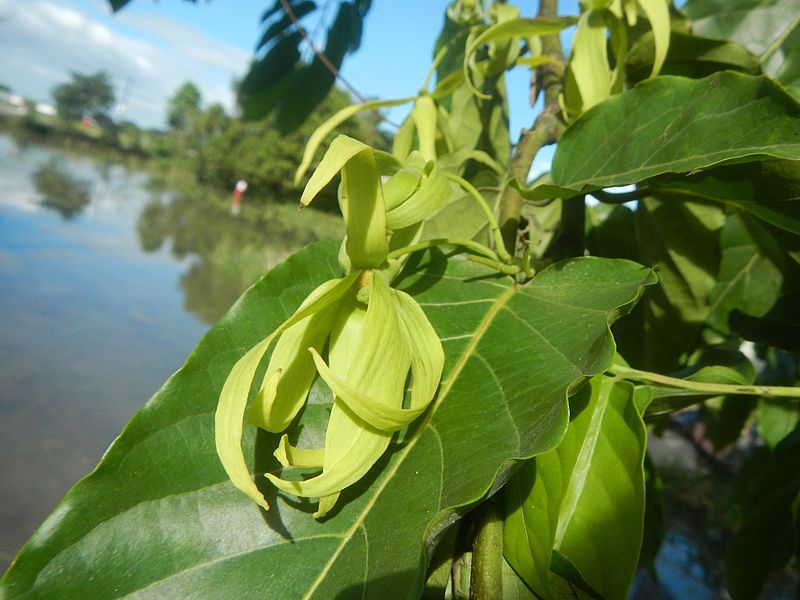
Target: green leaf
(748, 280)
(514, 587)
(279, 26)
(585, 499)
(681, 240)
(689, 56)
(789, 71)
(653, 532)
(769, 190)
(779, 327)
(777, 418)
(117, 4)
(677, 125)
(767, 538)
(761, 26)
(159, 517)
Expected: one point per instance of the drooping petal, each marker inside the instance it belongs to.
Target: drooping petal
(364, 211)
(378, 415)
(228, 420)
(589, 62)
(326, 504)
(427, 355)
(361, 198)
(400, 186)
(425, 115)
(657, 12)
(276, 407)
(321, 132)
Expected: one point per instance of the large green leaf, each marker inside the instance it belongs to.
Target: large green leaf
(681, 240)
(770, 29)
(677, 125)
(761, 26)
(585, 499)
(159, 518)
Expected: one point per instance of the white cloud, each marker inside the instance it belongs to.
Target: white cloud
(148, 56)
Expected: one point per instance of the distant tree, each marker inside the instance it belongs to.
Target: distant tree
(85, 95)
(183, 105)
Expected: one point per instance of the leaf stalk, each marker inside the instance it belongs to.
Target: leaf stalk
(701, 388)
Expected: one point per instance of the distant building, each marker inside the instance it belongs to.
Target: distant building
(12, 104)
(45, 109)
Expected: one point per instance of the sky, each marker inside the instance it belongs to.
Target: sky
(151, 48)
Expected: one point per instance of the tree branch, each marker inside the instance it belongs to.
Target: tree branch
(546, 130)
(487, 554)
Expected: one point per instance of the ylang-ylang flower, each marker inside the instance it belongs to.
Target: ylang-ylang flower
(357, 333)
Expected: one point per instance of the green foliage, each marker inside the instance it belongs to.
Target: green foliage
(183, 106)
(85, 95)
(279, 82)
(537, 434)
(220, 150)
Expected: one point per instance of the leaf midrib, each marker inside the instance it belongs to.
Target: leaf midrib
(580, 471)
(497, 305)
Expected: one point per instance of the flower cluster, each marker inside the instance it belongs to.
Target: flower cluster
(361, 336)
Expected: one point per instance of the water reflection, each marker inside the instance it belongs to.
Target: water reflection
(227, 252)
(60, 191)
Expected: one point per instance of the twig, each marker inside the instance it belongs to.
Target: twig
(546, 130)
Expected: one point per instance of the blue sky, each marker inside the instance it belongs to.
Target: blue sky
(150, 48)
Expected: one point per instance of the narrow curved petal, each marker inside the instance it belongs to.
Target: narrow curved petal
(326, 504)
(657, 13)
(425, 115)
(400, 186)
(292, 456)
(427, 355)
(276, 407)
(228, 420)
(361, 198)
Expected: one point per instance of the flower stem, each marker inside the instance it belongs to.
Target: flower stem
(476, 195)
(469, 244)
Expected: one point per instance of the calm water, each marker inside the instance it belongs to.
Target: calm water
(105, 287)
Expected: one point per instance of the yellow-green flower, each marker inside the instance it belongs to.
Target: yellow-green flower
(371, 349)
(361, 336)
